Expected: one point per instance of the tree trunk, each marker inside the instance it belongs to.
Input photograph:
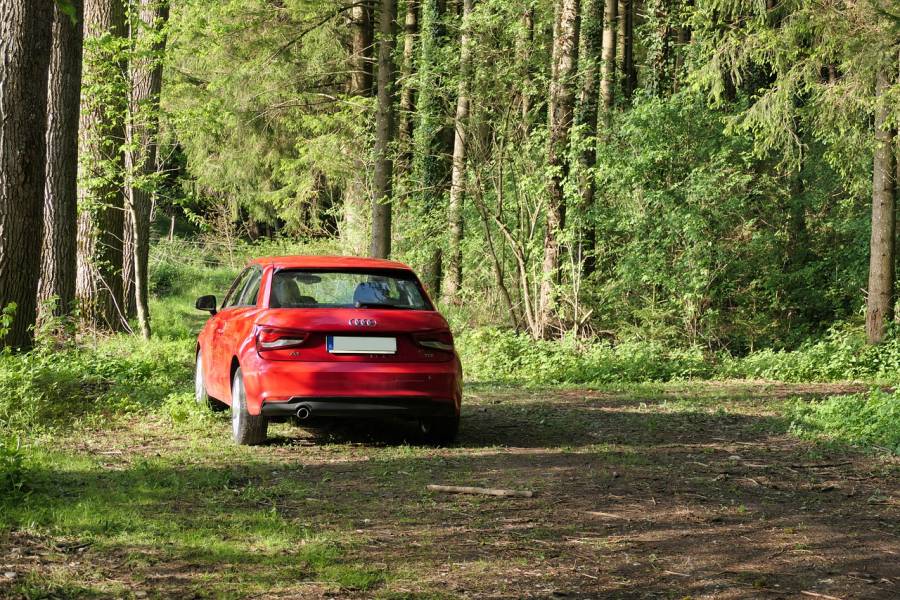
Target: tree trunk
(880, 301)
(408, 88)
(104, 99)
(608, 65)
(25, 49)
(562, 100)
(146, 85)
(433, 143)
(626, 49)
(380, 246)
(453, 279)
(57, 278)
(354, 226)
(586, 119)
(525, 47)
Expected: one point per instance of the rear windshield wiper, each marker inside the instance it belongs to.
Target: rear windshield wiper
(378, 305)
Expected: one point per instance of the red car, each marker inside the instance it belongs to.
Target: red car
(327, 336)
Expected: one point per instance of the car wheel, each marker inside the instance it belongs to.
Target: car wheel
(200, 395)
(440, 431)
(246, 429)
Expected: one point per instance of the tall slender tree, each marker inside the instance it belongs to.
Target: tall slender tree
(586, 118)
(433, 140)
(628, 75)
(882, 255)
(104, 100)
(562, 101)
(353, 228)
(25, 48)
(380, 246)
(408, 88)
(608, 65)
(57, 278)
(454, 271)
(143, 130)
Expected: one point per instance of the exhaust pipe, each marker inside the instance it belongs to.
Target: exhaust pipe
(303, 413)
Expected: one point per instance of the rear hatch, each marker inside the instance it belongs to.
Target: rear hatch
(353, 335)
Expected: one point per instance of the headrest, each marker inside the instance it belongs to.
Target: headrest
(371, 292)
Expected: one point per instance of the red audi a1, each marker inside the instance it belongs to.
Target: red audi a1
(327, 336)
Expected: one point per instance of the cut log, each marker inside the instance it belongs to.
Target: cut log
(454, 489)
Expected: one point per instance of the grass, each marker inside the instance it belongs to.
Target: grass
(118, 482)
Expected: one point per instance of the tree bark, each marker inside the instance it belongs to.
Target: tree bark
(143, 130)
(380, 246)
(454, 271)
(408, 89)
(626, 47)
(525, 46)
(586, 119)
(562, 100)
(354, 226)
(104, 99)
(608, 64)
(57, 277)
(880, 300)
(25, 49)
(433, 143)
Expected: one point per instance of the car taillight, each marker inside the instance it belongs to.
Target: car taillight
(272, 339)
(435, 340)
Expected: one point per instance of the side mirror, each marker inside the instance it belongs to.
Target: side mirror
(207, 303)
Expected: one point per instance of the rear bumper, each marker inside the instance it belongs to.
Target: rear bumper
(352, 388)
(362, 407)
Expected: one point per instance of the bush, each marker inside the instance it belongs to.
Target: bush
(871, 419)
(12, 467)
(494, 355)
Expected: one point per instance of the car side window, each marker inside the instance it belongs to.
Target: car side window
(234, 292)
(251, 290)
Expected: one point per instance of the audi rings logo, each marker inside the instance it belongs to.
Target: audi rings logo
(363, 322)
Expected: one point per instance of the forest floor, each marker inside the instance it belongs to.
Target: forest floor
(677, 491)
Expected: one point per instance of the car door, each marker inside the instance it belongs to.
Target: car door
(232, 328)
(218, 371)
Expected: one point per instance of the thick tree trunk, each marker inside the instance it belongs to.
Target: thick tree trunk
(380, 246)
(354, 227)
(586, 119)
(453, 279)
(104, 102)
(408, 88)
(57, 279)
(25, 48)
(146, 85)
(562, 100)
(880, 301)
(608, 64)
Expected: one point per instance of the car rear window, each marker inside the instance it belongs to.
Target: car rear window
(315, 288)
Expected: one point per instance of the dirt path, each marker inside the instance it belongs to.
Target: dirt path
(691, 492)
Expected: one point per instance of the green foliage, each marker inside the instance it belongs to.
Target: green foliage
(497, 356)
(12, 464)
(869, 420)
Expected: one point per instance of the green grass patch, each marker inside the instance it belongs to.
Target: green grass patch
(868, 420)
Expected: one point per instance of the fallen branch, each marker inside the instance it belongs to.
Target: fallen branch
(453, 489)
(818, 595)
(823, 465)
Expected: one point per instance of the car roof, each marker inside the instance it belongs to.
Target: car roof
(327, 262)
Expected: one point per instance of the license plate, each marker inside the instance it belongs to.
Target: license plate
(347, 344)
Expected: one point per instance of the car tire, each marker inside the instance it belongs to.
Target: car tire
(202, 398)
(246, 429)
(440, 431)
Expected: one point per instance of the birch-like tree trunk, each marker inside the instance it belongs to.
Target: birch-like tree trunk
(57, 279)
(608, 64)
(586, 118)
(454, 271)
(25, 48)
(355, 196)
(407, 86)
(380, 246)
(561, 106)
